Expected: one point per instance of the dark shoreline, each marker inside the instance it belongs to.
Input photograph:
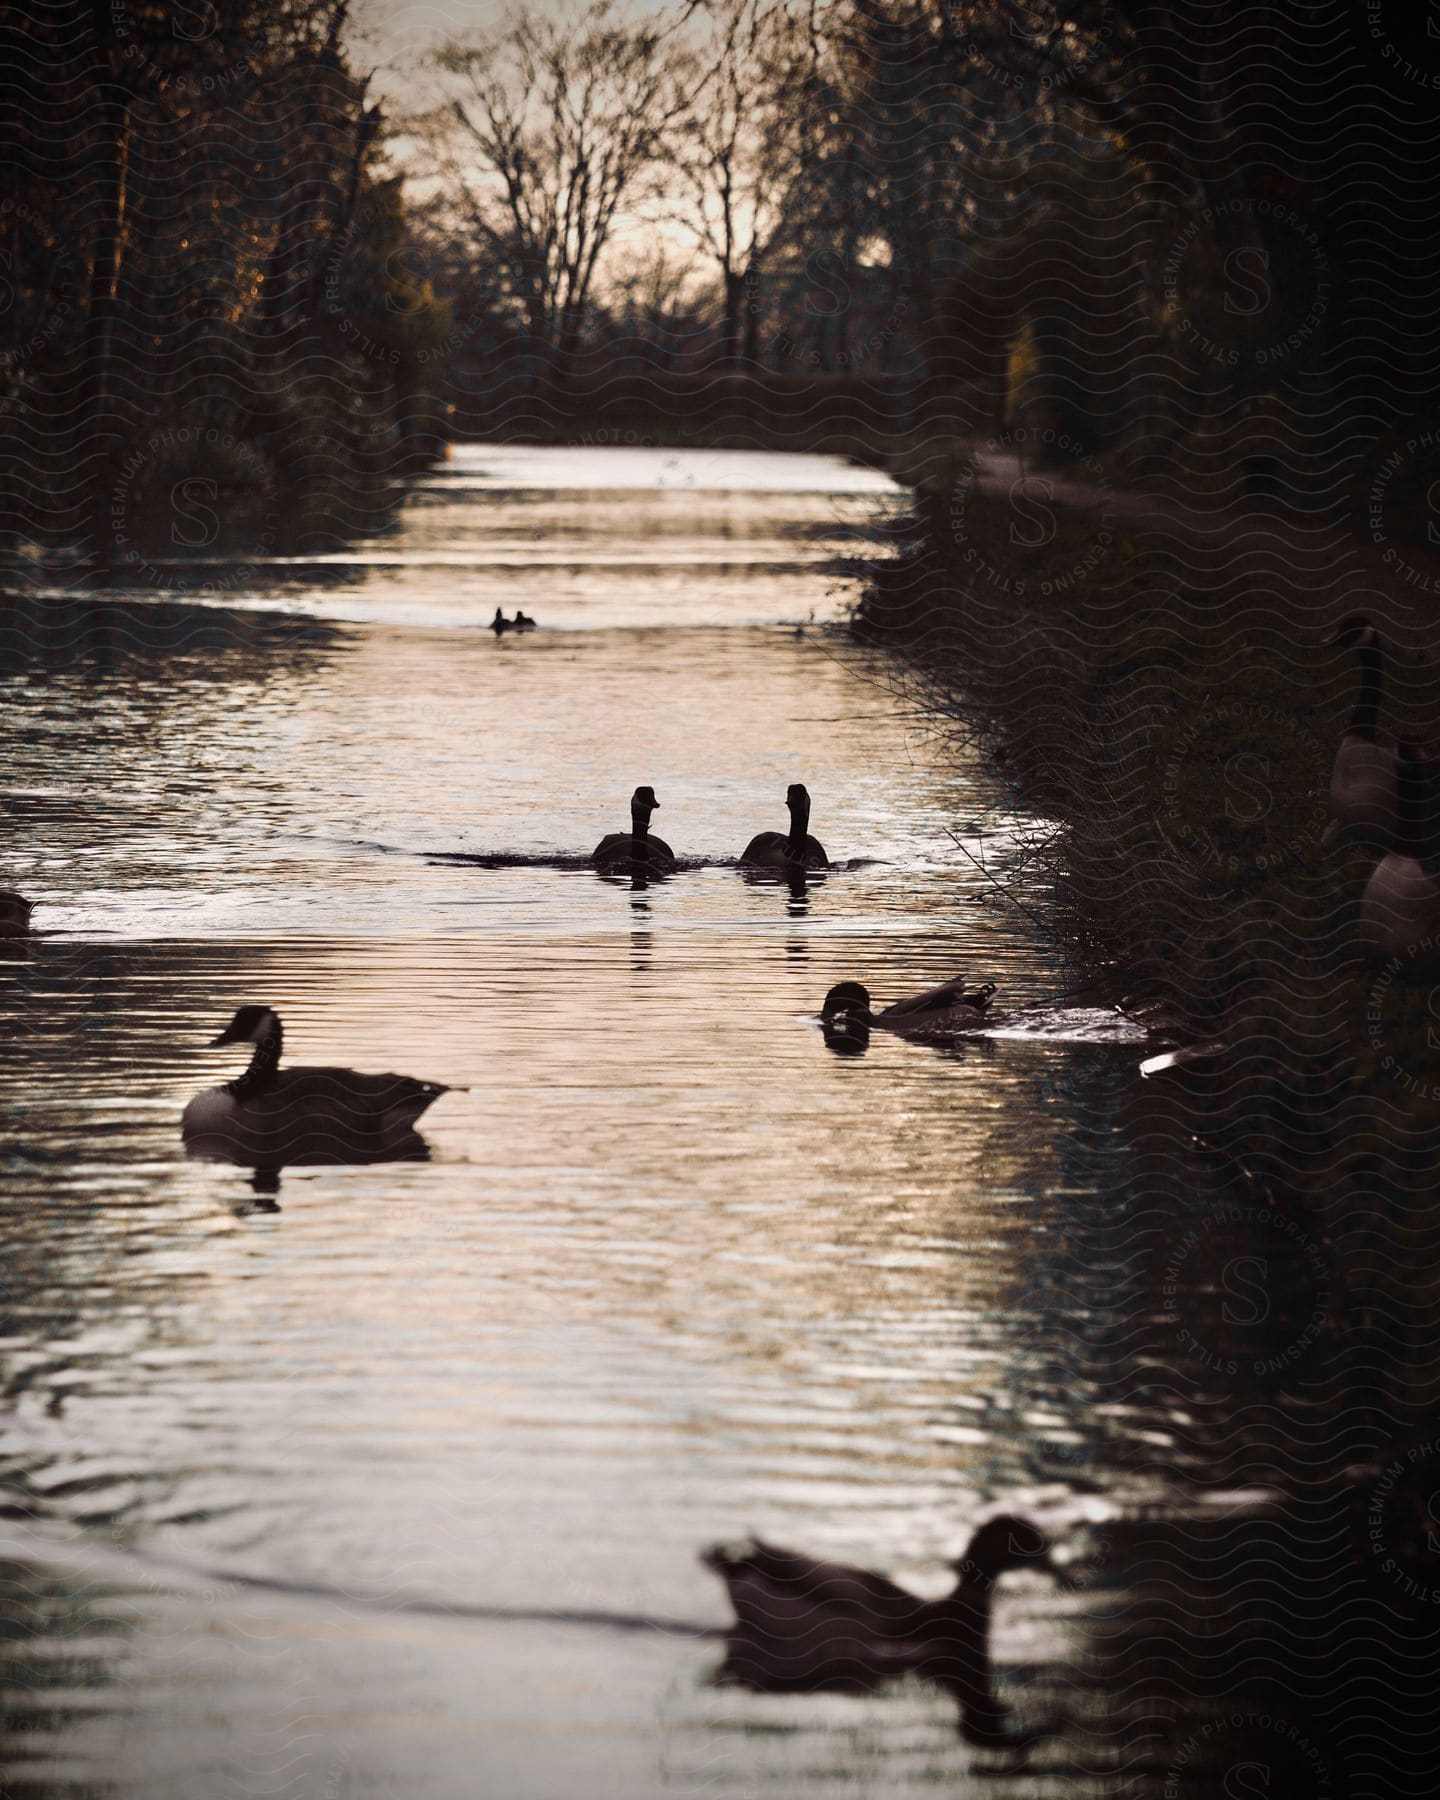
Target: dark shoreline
(1171, 707)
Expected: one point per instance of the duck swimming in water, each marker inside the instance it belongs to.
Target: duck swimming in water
(623, 852)
(272, 1116)
(791, 851)
(15, 912)
(938, 1015)
(804, 1625)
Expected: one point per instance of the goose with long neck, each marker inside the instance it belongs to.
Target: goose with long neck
(939, 1014)
(801, 1623)
(788, 850)
(623, 852)
(1364, 778)
(1400, 907)
(274, 1115)
(15, 912)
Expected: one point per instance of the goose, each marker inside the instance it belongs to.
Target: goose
(792, 850)
(271, 1115)
(621, 852)
(1400, 907)
(15, 912)
(1364, 778)
(940, 1013)
(804, 1624)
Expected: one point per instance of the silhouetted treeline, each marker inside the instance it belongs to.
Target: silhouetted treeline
(1058, 216)
(1196, 240)
(198, 243)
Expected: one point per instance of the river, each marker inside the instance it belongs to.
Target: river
(673, 1271)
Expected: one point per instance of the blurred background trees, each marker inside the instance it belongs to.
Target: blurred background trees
(196, 228)
(1158, 238)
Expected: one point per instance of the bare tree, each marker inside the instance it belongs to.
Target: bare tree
(557, 125)
(739, 155)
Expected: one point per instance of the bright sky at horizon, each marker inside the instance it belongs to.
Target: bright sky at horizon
(392, 35)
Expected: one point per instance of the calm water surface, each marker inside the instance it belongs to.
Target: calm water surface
(674, 1271)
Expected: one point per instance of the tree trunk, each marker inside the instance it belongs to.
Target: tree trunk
(734, 288)
(750, 347)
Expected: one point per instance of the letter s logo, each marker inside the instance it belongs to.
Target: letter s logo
(826, 269)
(1432, 508)
(1254, 1300)
(1246, 1781)
(1432, 1036)
(194, 23)
(1256, 799)
(1042, 521)
(408, 280)
(1237, 267)
(194, 489)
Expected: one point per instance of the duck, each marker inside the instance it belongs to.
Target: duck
(792, 850)
(937, 1015)
(1400, 905)
(621, 852)
(500, 624)
(523, 621)
(1364, 779)
(15, 911)
(269, 1115)
(802, 1624)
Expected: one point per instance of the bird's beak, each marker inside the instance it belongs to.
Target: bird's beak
(224, 1038)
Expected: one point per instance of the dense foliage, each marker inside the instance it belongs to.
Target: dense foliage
(969, 217)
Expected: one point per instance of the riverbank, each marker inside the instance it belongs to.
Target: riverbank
(1155, 680)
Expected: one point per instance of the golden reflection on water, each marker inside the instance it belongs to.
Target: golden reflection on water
(673, 1270)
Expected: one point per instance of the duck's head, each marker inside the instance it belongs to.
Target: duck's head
(1355, 632)
(797, 797)
(251, 1025)
(849, 998)
(15, 913)
(643, 803)
(1006, 1542)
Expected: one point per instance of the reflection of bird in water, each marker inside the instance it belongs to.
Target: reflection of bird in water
(788, 852)
(15, 912)
(936, 1016)
(635, 851)
(271, 1116)
(265, 1186)
(804, 1626)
